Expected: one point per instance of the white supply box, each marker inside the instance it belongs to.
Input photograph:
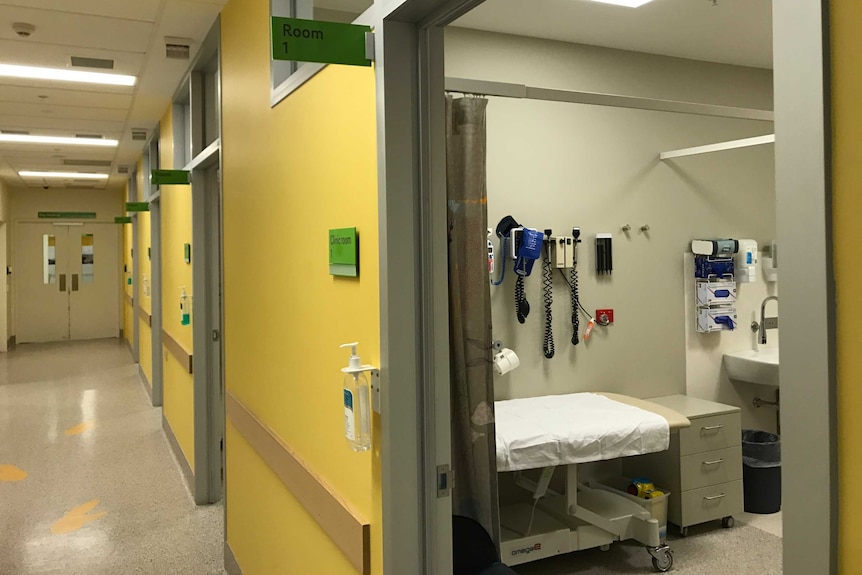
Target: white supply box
(710, 320)
(716, 293)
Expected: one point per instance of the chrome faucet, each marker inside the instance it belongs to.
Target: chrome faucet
(767, 322)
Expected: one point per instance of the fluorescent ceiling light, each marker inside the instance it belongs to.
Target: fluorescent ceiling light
(58, 140)
(64, 175)
(61, 75)
(626, 3)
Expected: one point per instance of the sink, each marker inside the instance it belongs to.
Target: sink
(753, 366)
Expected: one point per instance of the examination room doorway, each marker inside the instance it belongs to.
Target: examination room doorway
(607, 105)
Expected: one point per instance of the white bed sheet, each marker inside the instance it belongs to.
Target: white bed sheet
(576, 428)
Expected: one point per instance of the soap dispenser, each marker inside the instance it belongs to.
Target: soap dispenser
(357, 402)
(185, 311)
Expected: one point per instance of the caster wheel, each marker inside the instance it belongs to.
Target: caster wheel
(683, 531)
(664, 562)
(728, 522)
(605, 547)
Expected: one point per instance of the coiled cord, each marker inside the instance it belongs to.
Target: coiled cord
(576, 299)
(548, 295)
(521, 300)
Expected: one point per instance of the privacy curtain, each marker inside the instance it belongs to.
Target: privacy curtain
(473, 436)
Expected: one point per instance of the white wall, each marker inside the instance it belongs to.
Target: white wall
(705, 372)
(558, 165)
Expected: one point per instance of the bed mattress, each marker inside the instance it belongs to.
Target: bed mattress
(556, 430)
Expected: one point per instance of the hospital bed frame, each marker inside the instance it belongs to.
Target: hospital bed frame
(582, 517)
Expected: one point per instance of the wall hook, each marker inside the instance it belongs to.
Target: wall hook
(645, 228)
(626, 228)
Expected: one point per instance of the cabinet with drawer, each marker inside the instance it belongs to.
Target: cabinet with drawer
(703, 467)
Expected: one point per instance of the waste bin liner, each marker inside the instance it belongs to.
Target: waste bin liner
(761, 471)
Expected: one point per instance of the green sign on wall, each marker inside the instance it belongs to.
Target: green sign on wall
(317, 41)
(344, 252)
(67, 215)
(123, 220)
(169, 177)
(137, 206)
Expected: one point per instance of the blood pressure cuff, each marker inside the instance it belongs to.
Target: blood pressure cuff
(529, 251)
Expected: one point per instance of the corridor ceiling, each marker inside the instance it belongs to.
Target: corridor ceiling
(131, 33)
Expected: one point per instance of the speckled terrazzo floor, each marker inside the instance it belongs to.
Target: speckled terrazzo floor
(708, 550)
(120, 460)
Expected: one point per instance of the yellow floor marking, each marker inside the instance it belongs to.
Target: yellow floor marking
(80, 428)
(77, 518)
(12, 473)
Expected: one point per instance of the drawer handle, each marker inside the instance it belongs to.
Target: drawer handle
(714, 497)
(716, 462)
(712, 428)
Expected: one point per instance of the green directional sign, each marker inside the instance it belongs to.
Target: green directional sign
(169, 177)
(318, 41)
(137, 206)
(67, 215)
(344, 252)
(123, 220)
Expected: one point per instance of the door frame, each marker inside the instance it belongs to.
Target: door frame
(156, 299)
(409, 69)
(136, 328)
(209, 407)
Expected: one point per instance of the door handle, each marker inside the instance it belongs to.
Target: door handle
(712, 428)
(714, 497)
(62, 282)
(74, 282)
(716, 462)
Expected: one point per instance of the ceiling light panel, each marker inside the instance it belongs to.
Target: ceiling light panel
(63, 175)
(57, 140)
(61, 75)
(626, 3)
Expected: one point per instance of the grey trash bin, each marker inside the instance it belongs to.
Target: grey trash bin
(761, 471)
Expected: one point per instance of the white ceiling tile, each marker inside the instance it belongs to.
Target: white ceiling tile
(78, 30)
(44, 123)
(63, 112)
(145, 10)
(63, 97)
(32, 53)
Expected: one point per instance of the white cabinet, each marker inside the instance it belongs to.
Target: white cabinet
(703, 467)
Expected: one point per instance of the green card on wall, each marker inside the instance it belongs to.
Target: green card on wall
(344, 252)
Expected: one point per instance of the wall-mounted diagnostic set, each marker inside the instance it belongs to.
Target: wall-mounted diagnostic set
(560, 252)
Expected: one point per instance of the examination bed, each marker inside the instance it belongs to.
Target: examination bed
(563, 431)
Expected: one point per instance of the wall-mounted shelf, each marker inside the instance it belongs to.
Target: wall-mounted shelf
(719, 147)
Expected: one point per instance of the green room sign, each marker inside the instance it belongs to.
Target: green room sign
(344, 252)
(123, 220)
(67, 215)
(137, 206)
(169, 177)
(317, 41)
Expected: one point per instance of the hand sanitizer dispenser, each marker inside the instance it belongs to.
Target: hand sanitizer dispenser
(357, 402)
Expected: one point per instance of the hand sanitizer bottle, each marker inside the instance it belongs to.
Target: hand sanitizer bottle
(357, 403)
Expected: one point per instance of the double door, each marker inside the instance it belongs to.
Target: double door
(68, 281)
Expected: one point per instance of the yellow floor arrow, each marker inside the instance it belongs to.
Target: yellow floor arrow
(12, 473)
(77, 518)
(80, 428)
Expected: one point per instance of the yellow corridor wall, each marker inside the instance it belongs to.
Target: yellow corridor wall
(846, 41)
(291, 173)
(176, 214)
